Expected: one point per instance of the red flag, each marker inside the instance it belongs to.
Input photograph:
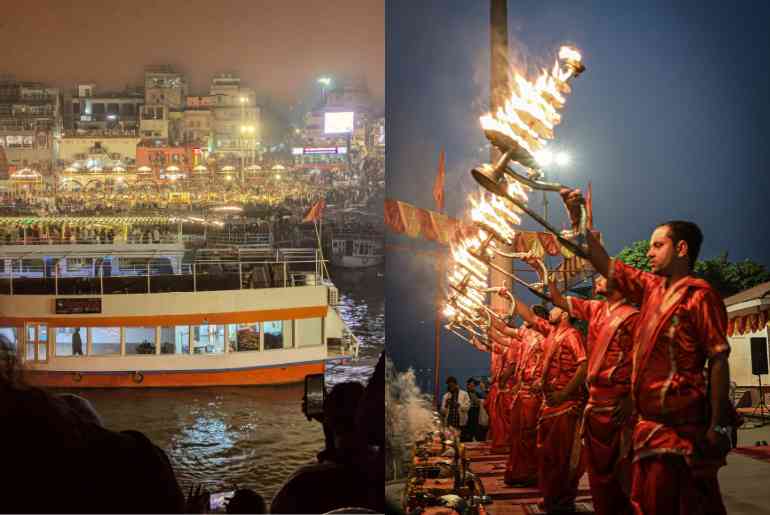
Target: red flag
(316, 212)
(589, 207)
(438, 186)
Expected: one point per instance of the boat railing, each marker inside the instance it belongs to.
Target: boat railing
(375, 236)
(23, 278)
(29, 240)
(250, 239)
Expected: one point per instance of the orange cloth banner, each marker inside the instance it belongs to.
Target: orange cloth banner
(416, 222)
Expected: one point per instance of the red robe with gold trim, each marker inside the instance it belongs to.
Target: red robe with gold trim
(607, 445)
(560, 463)
(497, 422)
(521, 468)
(502, 406)
(679, 329)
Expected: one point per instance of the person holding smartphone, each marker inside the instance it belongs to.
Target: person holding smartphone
(349, 470)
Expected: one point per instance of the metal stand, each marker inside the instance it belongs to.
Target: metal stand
(761, 406)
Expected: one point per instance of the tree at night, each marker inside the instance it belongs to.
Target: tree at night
(727, 277)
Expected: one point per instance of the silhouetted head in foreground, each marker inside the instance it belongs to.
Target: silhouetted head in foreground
(246, 501)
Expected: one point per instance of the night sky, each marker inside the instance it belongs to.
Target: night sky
(279, 47)
(671, 120)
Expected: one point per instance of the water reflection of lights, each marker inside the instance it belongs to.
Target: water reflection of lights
(208, 432)
(361, 307)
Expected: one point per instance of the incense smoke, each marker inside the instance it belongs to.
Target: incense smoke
(408, 413)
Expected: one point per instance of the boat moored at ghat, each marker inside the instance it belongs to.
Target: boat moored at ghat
(154, 314)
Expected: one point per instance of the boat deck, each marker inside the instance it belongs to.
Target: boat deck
(506, 500)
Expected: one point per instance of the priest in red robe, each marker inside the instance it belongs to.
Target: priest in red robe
(682, 435)
(498, 423)
(607, 422)
(500, 440)
(521, 468)
(559, 450)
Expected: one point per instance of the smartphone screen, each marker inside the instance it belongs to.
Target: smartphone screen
(218, 500)
(314, 395)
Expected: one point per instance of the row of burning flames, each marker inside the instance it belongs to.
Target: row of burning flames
(519, 130)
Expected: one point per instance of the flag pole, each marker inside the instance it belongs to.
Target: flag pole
(438, 196)
(318, 227)
(437, 343)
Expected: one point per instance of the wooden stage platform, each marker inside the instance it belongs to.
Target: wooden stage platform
(508, 500)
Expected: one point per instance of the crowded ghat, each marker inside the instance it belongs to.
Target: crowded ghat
(291, 189)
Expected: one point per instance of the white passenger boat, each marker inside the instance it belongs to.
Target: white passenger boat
(147, 314)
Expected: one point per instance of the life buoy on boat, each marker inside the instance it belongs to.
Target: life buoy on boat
(137, 377)
(77, 377)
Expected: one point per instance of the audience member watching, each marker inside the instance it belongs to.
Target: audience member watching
(70, 464)
(246, 501)
(87, 468)
(350, 471)
(82, 408)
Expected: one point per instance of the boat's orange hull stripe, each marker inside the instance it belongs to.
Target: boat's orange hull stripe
(280, 374)
(233, 317)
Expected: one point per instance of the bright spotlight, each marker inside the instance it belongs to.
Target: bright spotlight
(562, 159)
(544, 157)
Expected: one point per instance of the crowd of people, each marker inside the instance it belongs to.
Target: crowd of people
(293, 192)
(62, 233)
(640, 402)
(72, 463)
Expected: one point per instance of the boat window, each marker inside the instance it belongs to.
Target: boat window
(42, 342)
(140, 340)
(277, 334)
(105, 340)
(175, 339)
(9, 336)
(205, 340)
(71, 341)
(78, 264)
(247, 337)
(217, 335)
(232, 331)
(28, 267)
(42, 351)
(308, 332)
(30, 343)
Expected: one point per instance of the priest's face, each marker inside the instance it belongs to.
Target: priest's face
(556, 315)
(663, 254)
(600, 286)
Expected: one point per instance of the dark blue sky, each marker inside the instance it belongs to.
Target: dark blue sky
(670, 121)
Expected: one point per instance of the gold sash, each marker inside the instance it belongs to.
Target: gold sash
(617, 316)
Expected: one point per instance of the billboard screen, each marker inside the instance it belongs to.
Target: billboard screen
(307, 151)
(338, 123)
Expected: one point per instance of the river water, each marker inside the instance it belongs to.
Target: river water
(252, 437)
